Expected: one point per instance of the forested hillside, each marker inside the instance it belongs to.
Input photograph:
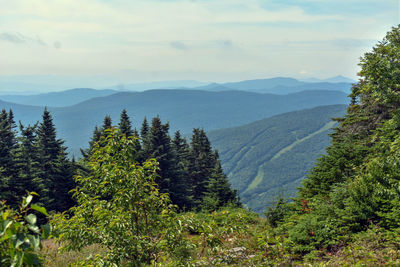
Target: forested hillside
(185, 109)
(271, 157)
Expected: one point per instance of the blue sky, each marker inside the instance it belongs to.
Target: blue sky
(207, 40)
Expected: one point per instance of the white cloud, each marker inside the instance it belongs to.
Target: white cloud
(17, 38)
(108, 36)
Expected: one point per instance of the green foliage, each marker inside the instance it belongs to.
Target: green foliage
(277, 213)
(20, 236)
(120, 207)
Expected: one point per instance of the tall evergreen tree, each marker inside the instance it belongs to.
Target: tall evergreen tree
(138, 146)
(125, 125)
(145, 128)
(107, 124)
(52, 159)
(144, 136)
(8, 143)
(8, 169)
(27, 162)
(159, 147)
(202, 164)
(218, 190)
(181, 185)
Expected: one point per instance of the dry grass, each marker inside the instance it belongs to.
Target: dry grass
(54, 257)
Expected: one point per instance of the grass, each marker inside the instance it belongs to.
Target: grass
(235, 237)
(54, 257)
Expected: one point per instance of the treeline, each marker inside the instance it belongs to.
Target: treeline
(190, 172)
(34, 160)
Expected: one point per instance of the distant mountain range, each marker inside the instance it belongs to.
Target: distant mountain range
(279, 85)
(27, 85)
(185, 109)
(270, 157)
(158, 85)
(58, 99)
(336, 79)
(39, 84)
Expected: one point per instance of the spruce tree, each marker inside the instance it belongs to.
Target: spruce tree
(159, 147)
(53, 172)
(145, 145)
(218, 191)
(138, 146)
(125, 124)
(27, 162)
(107, 124)
(202, 164)
(125, 127)
(8, 143)
(8, 169)
(180, 184)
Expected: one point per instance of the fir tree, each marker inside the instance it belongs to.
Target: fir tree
(180, 184)
(27, 162)
(202, 164)
(125, 124)
(8, 169)
(146, 145)
(159, 147)
(52, 159)
(218, 190)
(8, 143)
(107, 124)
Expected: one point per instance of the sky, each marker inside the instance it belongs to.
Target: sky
(127, 41)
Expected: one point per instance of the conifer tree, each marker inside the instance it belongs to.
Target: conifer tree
(124, 125)
(107, 124)
(8, 170)
(144, 136)
(53, 161)
(96, 136)
(180, 184)
(8, 143)
(218, 190)
(145, 128)
(138, 146)
(27, 162)
(159, 147)
(202, 164)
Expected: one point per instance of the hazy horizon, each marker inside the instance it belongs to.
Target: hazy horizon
(99, 44)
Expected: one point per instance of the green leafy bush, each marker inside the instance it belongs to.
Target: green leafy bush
(20, 236)
(121, 208)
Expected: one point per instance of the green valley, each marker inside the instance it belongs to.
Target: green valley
(270, 157)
